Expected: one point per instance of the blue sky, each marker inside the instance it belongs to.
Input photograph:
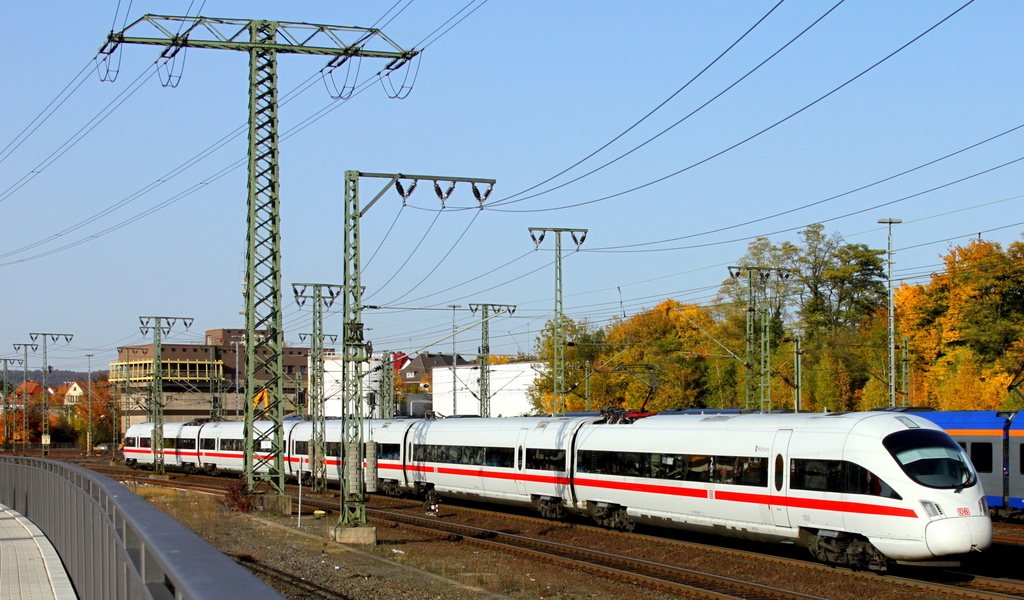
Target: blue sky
(518, 92)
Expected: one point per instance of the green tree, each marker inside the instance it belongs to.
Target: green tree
(582, 347)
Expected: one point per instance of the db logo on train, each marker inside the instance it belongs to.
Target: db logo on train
(963, 512)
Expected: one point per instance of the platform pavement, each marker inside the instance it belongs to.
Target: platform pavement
(30, 568)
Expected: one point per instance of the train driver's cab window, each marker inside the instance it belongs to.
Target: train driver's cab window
(931, 458)
(130, 442)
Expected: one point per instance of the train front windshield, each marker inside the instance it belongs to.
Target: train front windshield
(931, 458)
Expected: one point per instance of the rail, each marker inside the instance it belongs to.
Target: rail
(116, 546)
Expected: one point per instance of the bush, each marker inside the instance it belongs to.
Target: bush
(238, 497)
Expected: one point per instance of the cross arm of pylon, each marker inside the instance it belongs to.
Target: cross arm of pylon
(234, 34)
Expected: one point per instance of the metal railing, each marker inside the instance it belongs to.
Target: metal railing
(114, 545)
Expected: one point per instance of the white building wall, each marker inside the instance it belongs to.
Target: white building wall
(509, 384)
(334, 399)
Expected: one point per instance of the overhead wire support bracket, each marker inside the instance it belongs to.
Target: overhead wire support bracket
(355, 349)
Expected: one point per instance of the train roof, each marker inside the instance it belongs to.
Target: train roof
(990, 421)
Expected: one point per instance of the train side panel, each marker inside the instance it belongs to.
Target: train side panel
(1015, 466)
(679, 471)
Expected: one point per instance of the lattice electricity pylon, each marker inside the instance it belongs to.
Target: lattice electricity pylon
(356, 350)
(24, 393)
(558, 336)
(386, 401)
(323, 296)
(760, 345)
(8, 425)
(264, 333)
(484, 382)
(53, 337)
(161, 326)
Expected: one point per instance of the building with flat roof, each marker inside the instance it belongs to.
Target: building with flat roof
(201, 381)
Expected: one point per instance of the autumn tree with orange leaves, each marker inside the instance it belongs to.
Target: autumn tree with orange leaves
(965, 328)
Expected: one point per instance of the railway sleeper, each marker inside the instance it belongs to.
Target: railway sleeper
(846, 549)
(611, 516)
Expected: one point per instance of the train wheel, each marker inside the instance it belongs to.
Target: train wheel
(211, 469)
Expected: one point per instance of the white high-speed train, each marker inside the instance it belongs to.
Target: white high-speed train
(860, 489)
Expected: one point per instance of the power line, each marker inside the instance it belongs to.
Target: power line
(508, 199)
(751, 137)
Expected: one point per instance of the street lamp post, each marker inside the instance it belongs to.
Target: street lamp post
(892, 317)
(88, 431)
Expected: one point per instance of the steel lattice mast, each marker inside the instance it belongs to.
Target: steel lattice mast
(315, 396)
(45, 424)
(558, 325)
(484, 384)
(24, 394)
(161, 326)
(356, 350)
(264, 335)
(8, 425)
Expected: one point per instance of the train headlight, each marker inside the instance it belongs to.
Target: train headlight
(983, 505)
(933, 509)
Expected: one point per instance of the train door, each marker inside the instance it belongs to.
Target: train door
(520, 461)
(779, 482)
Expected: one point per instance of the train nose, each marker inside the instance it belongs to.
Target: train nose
(981, 532)
(958, 535)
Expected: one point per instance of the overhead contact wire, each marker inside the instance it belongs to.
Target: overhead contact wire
(755, 135)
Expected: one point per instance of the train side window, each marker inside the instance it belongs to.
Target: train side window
(809, 475)
(170, 443)
(981, 456)
(963, 445)
(698, 468)
(130, 442)
(384, 451)
(334, 448)
(498, 457)
(1021, 461)
(232, 445)
(301, 448)
(725, 469)
(521, 457)
(545, 459)
(144, 442)
(207, 444)
(751, 470)
(780, 467)
(187, 443)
